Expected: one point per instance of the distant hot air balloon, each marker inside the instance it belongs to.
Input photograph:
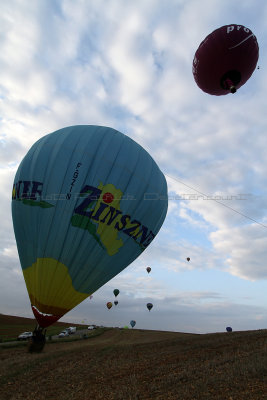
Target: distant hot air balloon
(149, 306)
(75, 229)
(229, 329)
(225, 59)
(188, 258)
(109, 305)
(148, 269)
(132, 323)
(116, 302)
(116, 292)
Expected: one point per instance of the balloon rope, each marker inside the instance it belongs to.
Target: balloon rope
(219, 202)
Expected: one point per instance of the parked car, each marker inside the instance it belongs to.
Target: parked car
(71, 329)
(25, 336)
(91, 327)
(63, 334)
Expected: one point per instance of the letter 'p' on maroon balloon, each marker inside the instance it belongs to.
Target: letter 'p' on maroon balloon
(225, 59)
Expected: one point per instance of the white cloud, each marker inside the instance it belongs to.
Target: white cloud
(245, 248)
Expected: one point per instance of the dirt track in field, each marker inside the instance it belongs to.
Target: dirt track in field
(137, 364)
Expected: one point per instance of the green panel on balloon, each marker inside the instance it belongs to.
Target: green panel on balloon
(86, 202)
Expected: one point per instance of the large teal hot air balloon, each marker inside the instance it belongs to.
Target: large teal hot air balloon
(86, 201)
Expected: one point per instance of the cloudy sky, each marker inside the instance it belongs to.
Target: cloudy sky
(128, 65)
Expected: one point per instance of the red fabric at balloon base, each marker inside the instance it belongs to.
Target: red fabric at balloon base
(44, 320)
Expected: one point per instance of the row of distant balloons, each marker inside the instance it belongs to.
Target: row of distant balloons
(149, 305)
(109, 303)
(116, 292)
(79, 209)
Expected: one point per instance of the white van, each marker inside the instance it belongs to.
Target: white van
(71, 329)
(25, 336)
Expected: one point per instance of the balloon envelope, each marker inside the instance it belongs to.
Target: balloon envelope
(109, 305)
(81, 214)
(225, 59)
(132, 323)
(149, 306)
(148, 269)
(116, 292)
(229, 329)
(116, 302)
(188, 258)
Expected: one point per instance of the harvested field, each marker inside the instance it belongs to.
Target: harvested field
(140, 364)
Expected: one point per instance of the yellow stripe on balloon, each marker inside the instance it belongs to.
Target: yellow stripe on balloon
(107, 233)
(50, 287)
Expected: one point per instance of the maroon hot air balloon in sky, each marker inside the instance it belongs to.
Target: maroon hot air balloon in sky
(226, 59)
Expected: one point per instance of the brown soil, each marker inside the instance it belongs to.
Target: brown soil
(140, 364)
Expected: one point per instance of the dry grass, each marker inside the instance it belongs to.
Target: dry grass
(143, 365)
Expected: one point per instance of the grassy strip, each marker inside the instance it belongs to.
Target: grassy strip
(75, 337)
(13, 344)
(16, 330)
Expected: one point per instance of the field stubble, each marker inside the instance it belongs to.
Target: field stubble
(140, 365)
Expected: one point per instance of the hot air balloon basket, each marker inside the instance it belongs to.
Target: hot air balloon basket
(37, 342)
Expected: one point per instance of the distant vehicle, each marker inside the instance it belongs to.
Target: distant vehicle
(91, 327)
(71, 329)
(63, 334)
(25, 336)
